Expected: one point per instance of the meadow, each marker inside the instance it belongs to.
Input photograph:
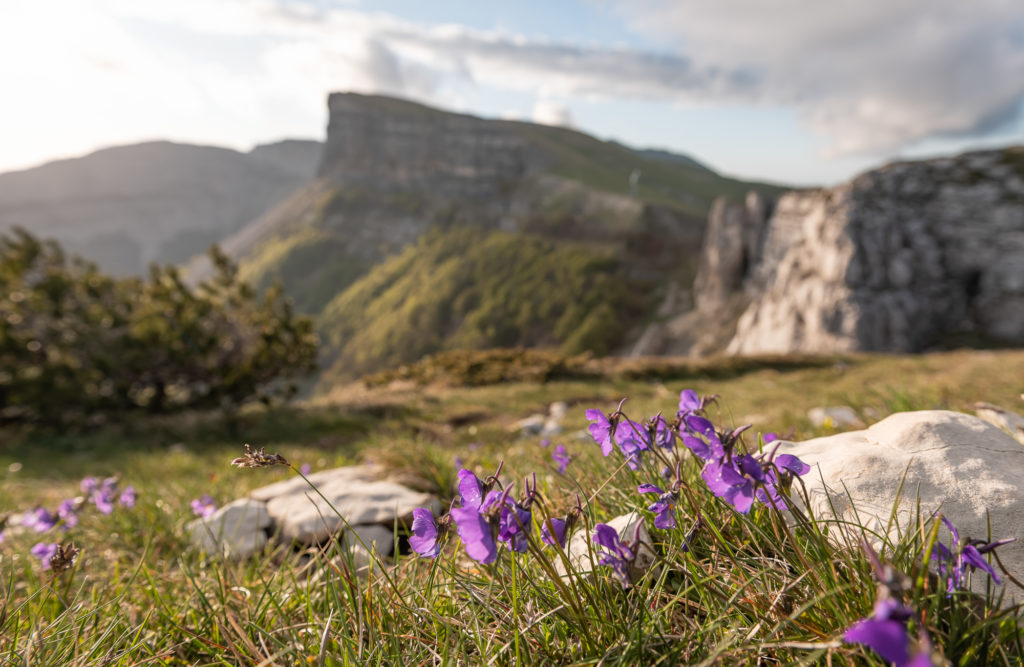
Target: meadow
(728, 587)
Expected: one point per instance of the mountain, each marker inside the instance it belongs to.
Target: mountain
(398, 185)
(903, 258)
(672, 158)
(127, 206)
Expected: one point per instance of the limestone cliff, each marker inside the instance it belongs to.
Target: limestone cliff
(902, 258)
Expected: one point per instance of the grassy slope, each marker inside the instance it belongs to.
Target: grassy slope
(138, 593)
(466, 288)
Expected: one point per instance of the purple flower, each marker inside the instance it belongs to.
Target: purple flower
(632, 440)
(104, 500)
(473, 527)
(769, 437)
(791, 463)
(89, 484)
(561, 457)
(514, 525)
(44, 551)
(458, 461)
(601, 430)
(128, 497)
(886, 634)
(663, 508)
(204, 506)
(424, 539)
(40, 520)
(962, 554)
(545, 442)
(615, 554)
(67, 513)
(734, 481)
(556, 538)
(659, 433)
(305, 469)
(689, 402)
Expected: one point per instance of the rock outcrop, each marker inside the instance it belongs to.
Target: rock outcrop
(965, 468)
(899, 259)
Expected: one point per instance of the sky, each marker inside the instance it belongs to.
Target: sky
(803, 92)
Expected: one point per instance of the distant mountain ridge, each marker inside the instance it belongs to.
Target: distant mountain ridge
(394, 171)
(127, 206)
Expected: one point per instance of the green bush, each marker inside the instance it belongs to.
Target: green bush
(77, 346)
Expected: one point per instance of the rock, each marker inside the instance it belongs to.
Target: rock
(732, 242)
(1007, 420)
(532, 425)
(558, 410)
(381, 538)
(237, 530)
(320, 478)
(954, 463)
(304, 516)
(886, 262)
(834, 416)
(578, 548)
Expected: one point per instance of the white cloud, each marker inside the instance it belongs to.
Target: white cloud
(549, 112)
(871, 77)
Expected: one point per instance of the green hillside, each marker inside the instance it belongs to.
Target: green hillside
(469, 288)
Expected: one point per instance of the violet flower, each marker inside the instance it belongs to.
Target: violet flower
(40, 520)
(44, 551)
(555, 538)
(305, 469)
(663, 508)
(885, 633)
(601, 430)
(473, 527)
(561, 457)
(689, 402)
(615, 554)
(128, 497)
(514, 523)
(203, 506)
(424, 539)
(67, 511)
(631, 438)
(954, 560)
(88, 485)
(734, 481)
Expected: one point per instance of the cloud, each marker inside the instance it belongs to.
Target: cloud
(871, 77)
(549, 112)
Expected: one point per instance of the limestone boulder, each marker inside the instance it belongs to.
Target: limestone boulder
(581, 551)
(348, 499)
(1007, 420)
(238, 530)
(953, 463)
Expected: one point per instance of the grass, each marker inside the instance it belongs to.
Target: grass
(752, 590)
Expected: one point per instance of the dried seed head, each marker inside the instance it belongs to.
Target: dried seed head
(258, 459)
(64, 559)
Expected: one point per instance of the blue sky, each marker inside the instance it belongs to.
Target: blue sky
(795, 91)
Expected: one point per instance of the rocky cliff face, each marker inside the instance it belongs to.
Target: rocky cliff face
(899, 259)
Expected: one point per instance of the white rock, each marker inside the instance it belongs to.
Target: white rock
(1007, 420)
(954, 463)
(375, 536)
(306, 517)
(237, 530)
(558, 410)
(834, 416)
(531, 425)
(320, 478)
(578, 548)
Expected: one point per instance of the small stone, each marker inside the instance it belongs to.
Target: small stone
(532, 425)
(1007, 420)
(237, 530)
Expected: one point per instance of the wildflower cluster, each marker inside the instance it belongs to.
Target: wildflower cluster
(104, 495)
(486, 518)
(737, 477)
